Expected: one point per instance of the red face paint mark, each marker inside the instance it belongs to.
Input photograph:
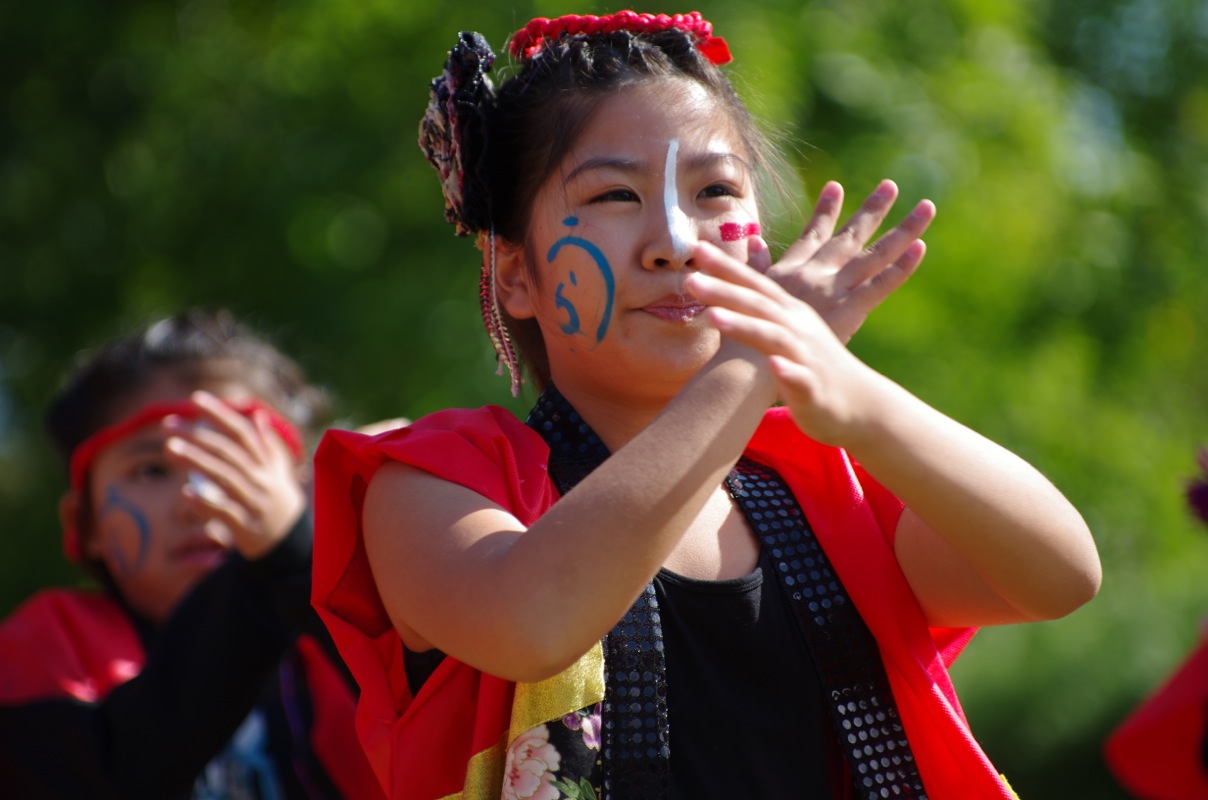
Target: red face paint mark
(733, 231)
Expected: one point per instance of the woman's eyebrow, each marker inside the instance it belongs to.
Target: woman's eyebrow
(695, 161)
(607, 162)
(709, 158)
(145, 444)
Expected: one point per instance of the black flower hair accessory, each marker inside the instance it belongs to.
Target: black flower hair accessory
(451, 133)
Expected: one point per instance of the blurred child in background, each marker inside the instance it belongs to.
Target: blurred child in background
(197, 668)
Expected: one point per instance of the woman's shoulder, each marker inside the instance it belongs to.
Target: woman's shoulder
(63, 604)
(488, 420)
(481, 428)
(463, 434)
(485, 449)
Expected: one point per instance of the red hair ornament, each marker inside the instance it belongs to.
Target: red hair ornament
(527, 42)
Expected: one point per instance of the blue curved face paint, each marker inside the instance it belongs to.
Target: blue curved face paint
(572, 315)
(597, 256)
(114, 502)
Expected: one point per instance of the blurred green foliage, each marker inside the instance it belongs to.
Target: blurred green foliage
(262, 157)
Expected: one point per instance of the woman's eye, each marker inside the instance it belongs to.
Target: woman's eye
(616, 196)
(719, 190)
(149, 470)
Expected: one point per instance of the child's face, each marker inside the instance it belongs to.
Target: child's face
(154, 545)
(656, 170)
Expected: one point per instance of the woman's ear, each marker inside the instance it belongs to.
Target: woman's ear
(513, 287)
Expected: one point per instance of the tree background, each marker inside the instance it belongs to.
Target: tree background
(262, 157)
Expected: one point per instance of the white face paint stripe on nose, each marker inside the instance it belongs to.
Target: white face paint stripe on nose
(677, 220)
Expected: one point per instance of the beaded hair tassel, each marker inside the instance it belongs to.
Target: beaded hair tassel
(492, 317)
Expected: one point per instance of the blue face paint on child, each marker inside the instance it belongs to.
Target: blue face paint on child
(115, 543)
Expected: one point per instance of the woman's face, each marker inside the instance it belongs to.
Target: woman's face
(154, 545)
(656, 170)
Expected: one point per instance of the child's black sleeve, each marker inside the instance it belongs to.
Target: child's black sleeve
(206, 668)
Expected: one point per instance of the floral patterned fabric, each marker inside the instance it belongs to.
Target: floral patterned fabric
(549, 762)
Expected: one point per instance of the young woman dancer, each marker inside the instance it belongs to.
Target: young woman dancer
(722, 557)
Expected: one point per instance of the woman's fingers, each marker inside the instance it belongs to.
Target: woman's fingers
(747, 306)
(817, 377)
(820, 243)
(247, 443)
(258, 504)
(759, 255)
(821, 225)
(847, 251)
(212, 505)
(887, 251)
(233, 425)
(841, 276)
(726, 281)
(862, 298)
(856, 232)
(766, 336)
(887, 282)
(245, 474)
(233, 483)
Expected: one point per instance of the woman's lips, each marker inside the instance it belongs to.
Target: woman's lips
(676, 308)
(200, 551)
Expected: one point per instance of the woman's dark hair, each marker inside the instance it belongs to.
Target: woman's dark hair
(190, 345)
(510, 140)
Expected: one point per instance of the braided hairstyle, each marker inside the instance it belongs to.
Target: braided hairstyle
(495, 148)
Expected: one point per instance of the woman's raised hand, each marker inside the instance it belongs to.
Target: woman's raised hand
(837, 272)
(824, 385)
(251, 481)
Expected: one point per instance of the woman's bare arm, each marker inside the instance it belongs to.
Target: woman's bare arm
(986, 538)
(461, 574)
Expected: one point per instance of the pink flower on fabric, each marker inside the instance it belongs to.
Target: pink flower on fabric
(588, 722)
(531, 765)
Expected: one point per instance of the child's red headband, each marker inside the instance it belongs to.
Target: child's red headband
(86, 451)
(527, 41)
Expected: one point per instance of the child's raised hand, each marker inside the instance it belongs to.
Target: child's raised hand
(816, 376)
(253, 482)
(836, 273)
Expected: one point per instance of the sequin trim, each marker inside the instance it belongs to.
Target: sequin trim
(636, 746)
(849, 664)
